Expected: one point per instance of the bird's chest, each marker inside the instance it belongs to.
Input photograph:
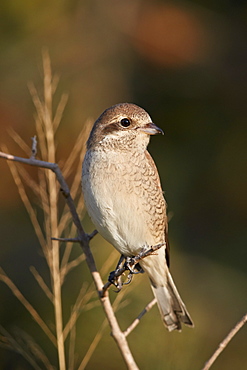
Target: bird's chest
(114, 197)
(109, 181)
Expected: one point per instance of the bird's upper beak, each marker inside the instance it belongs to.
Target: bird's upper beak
(151, 129)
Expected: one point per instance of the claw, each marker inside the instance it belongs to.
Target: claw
(130, 277)
(115, 280)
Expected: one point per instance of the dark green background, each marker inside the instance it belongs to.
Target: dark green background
(185, 63)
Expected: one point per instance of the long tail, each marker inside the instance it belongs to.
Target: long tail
(171, 306)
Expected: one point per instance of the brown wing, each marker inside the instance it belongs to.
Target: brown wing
(167, 245)
(161, 202)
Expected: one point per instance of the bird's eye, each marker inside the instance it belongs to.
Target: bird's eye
(125, 122)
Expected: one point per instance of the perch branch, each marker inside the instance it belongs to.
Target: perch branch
(138, 319)
(225, 342)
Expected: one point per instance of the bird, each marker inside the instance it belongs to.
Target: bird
(124, 199)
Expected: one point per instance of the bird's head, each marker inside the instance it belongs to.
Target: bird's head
(123, 126)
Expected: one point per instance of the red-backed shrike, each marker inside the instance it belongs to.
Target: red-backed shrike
(124, 199)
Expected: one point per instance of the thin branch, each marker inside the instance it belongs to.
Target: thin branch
(77, 152)
(36, 188)
(98, 335)
(40, 131)
(55, 80)
(42, 284)
(67, 240)
(28, 306)
(45, 206)
(225, 342)
(59, 111)
(26, 201)
(67, 253)
(109, 262)
(30, 161)
(33, 348)
(19, 141)
(138, 319)
(78, 149)
(75, 240)
(72, 337)
(82, 298)
(15, 346)
(34, 147)
(92, 235)
(70, 265)
(71, 230)
(93, 346)
(87, 296)
(52, 191)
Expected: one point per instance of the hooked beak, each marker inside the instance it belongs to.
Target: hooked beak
(151, 129)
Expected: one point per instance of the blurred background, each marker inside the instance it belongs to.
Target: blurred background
(185, 62)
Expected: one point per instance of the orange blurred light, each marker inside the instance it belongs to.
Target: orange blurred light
(170, 36)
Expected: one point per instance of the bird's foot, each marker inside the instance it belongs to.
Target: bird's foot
(133, 267)
(115, 279)
(115, 276)
(130, 265)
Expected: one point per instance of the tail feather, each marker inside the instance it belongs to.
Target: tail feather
(171, 306)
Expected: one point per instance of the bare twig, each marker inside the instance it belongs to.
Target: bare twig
(225, 342)
(71, 365)
(28, 306)
(19, 141)
(82, 298)
(15, 346)
(36, 188)
(47, 124)
(42, 284)
(33, 348)
(59, 111)
(26, 202)
(92, 235)
(34, 147)
(98, 335)
(137, 320)
(71, 265)
(67, 240)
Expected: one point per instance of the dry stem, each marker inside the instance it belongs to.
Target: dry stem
(225, 342)
(27, 305)
(137, 320)
(52, 191)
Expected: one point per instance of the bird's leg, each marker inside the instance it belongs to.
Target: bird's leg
(119, 264)
(133, 267)
(114, 277)
(132, 263)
